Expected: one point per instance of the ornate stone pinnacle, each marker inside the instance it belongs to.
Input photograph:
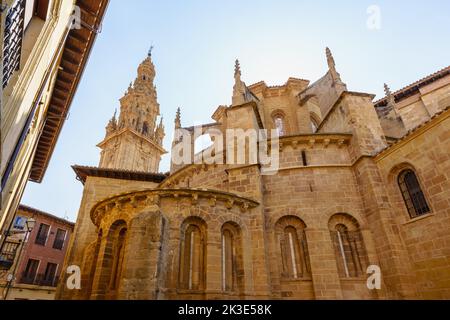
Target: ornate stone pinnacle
(387, 90)
(390, 100)
(330, 59)
(237, 68)
(178, 118)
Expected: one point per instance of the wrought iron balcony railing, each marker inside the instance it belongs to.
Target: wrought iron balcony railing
(12, 40)
(8, 254)
(39, 280)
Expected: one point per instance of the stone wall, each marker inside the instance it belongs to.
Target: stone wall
(426, 238)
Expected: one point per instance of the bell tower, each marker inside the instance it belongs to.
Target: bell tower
(134, 141)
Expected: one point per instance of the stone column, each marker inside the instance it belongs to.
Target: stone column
(213, 264)
(324, 270)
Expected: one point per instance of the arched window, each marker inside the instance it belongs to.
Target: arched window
(350, 252)
(294, 249)
(232, 264)
(192, 260)
(228, 260)
(111, 259)
(412, 193)
(279, 124)
(118, 259)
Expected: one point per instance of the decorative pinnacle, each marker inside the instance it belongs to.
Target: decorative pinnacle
(115, 113)
(237, 68)
(389, 96)
(330, 59)
(387, 91)
(178, 119)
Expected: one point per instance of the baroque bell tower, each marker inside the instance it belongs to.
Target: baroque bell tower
(134, 141)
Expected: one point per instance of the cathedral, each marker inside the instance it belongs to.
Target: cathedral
(361, 188)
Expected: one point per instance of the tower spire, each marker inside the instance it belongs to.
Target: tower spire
(139, 111)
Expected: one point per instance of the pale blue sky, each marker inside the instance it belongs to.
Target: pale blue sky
(196, 43)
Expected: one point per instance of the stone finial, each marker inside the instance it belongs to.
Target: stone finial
(334, 74)
(239, 86)
(159, 132)
(237, 70)
(330, 59)
(387, 90)
(112, 124)
(178, 119)
(390, 97)
(391, 105)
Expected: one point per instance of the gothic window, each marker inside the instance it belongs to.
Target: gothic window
(192, 259)
(349, 247)
(293, 247)
(232, 264)
(412, 194)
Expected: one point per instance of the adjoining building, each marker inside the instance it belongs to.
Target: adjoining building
(35, 259)
(359, 184)
(44, 48)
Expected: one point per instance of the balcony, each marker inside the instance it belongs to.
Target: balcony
(12, 40)
(39, 280)
(8, 254)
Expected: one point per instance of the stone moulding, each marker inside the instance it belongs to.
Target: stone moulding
(153, 197)
(311, 140)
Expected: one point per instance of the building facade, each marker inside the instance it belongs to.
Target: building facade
(38, 265)
(44, 49)
(360, 185)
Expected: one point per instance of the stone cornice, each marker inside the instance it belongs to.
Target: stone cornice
(312, 140)
(153, 198)
(184, 172)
